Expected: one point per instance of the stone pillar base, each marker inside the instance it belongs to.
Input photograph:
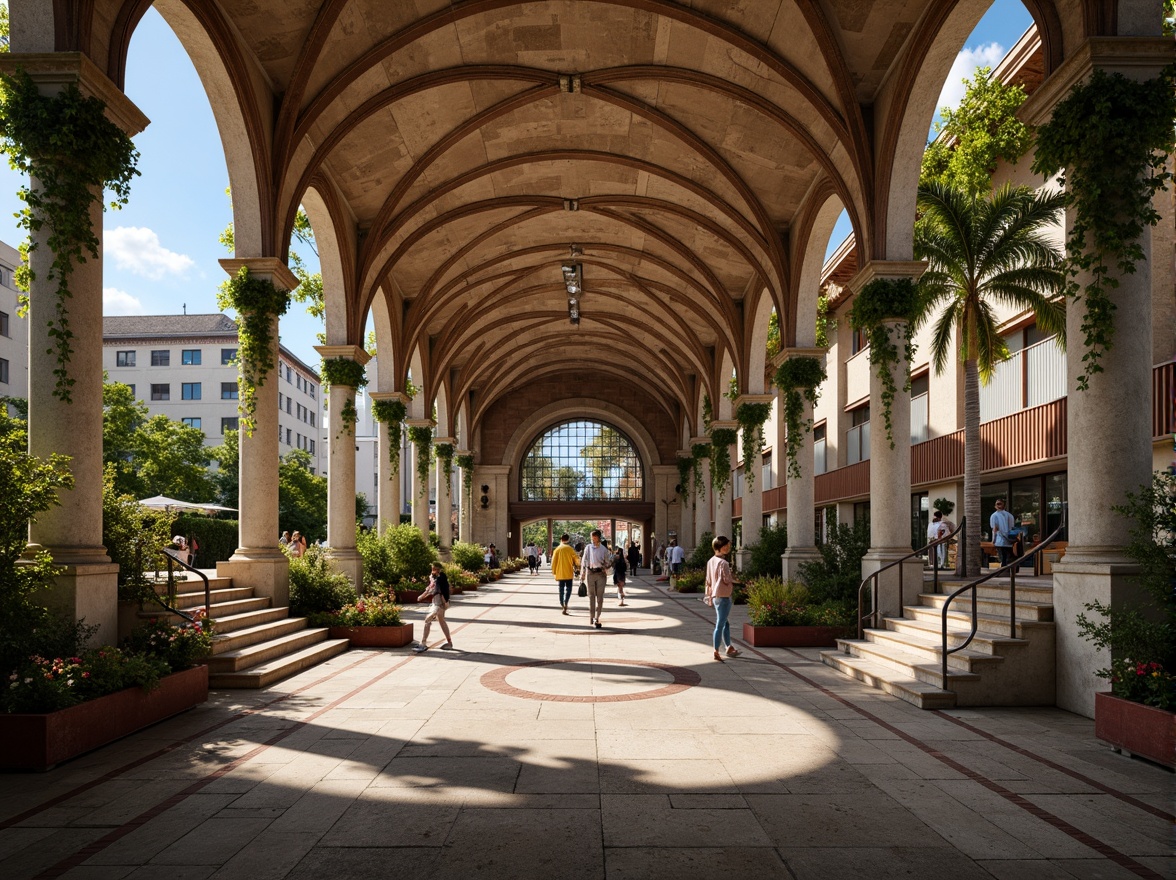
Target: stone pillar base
(265, 570)
(794, 557)
(889, 598)
(1076, 582)
(742, 559)
(445, 554)
(348, 561)
(88, 592)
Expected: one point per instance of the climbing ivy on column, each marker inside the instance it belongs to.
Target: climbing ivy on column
(885, 309)
(798, 379)
(422, 438)
(466, 463)
(699, 453)
(392, 413)
(257, 301)
(445, 459)
(685, 476)
(65, 143)
(348, 373)
(751, 418)
(1110, 139)
(720, 458)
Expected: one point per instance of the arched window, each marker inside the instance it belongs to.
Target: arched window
(582, 460)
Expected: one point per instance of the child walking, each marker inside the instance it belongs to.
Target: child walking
(438, 591)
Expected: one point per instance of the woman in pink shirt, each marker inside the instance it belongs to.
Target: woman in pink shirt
(718, 593)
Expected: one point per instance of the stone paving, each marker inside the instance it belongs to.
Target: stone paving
(541, 748)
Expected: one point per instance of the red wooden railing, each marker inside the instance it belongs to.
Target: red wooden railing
(1164, 400)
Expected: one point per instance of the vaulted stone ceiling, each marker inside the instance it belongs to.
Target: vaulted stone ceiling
(458, 150)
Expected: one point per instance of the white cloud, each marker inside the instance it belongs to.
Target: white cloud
(137, 249)
(119, 302)
(963, 67)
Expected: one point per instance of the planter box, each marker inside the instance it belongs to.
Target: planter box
(472, 589)
(41, 741)
(796, 636)
(1135, 728)
(407, 597)
(374, 636)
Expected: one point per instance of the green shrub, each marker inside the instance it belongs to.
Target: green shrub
(376, 553)
(315, 586)
(411, 555)
(372, 610)
(839, 573)
(772, 602)
(692, 580)
(468, 556)
(134, 537)
(458, 576)
(766, 553)
(218, 538)
(702, 553)
(181, 647)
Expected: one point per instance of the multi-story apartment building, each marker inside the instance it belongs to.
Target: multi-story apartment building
(14, 335)
(184, 367)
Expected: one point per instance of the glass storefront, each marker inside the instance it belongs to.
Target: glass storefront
(1036, 504)
(920, 519)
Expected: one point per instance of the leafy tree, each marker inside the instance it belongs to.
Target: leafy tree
(983, 251)
(170, 458)
(5, 43)
(302, 496)
(226, 478)
(535, 532)
(568, 481)
(766, 553)
(122, 416)
(838, 574)
(974, 136)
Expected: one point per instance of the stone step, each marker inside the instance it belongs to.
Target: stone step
(907, 654)
(927, 643)
(221, 610)
(910, 689)
(1026, 610)
(218, 596)
(989, 630)
(234, 640)
(999, 589)
(249, 619)
(267, 673)
(263, 652)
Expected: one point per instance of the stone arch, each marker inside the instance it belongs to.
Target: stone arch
(756, 335)
(579, 407)
(811, 262)
(334, 253)
(421, 406)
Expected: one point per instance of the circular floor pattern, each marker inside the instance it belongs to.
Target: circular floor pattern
(680, 679)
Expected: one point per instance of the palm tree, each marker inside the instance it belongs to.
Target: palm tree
(983, 251)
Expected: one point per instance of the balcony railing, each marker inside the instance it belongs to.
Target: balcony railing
(1030, 377)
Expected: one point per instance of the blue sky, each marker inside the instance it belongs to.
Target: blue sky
(162, 249)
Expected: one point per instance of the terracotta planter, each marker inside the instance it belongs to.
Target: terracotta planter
(470, 589)
(407, 597)
(795, 636)
(374, 636)
(1135, 728)
(41, 741)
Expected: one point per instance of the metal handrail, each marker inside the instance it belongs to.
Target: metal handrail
(877, 609)
(171, 589)
(1012, 569)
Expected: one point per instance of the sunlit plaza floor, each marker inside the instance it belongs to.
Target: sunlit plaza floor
(541, 748)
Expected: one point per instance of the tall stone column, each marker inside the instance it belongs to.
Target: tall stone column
(445, 503)
(665, 477)
(700, 502)
(87, 586)
(801, 486)
(341, 525)
(890, 466)
(1109, 424)
(420, 487)
(257, 562)
(753, 497)
(388, 500)
(465, 517)
(722, 502)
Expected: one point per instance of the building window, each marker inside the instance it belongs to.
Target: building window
(766, 471)
(228, 424)
(229, 391)
(161, 392)
(312, 447)
(289, 407)
(289, 437)
(191, 422)
(132, 387)
(312, 420)
(228, 356)
(819, 450)
(4, 330)
(857, 341)
(920, 410)
(161, 358)
(190, 391)
(311, 389)
(582, 460)
(281, 404)
(857, 438)
(124, 359)
(190, 357)
(4, 371)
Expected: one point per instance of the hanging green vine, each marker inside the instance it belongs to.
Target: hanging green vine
(699, 453)
(422, 438)
(685, 476)
(445, 459)
(466, 463)
(67, 145)
(1110, 139)
(798, 379)
(708, 413)
(348, 374)
(257, 302)
(722, 439)
(751, 418)
(881, 301)
(392, 413)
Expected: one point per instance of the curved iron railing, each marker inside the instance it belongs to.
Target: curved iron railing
(877, 608)
(1011, 568)
(172, 561)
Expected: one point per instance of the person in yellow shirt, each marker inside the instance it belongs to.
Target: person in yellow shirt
(564, 562)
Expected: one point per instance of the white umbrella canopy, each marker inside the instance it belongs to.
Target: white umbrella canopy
(162, 502)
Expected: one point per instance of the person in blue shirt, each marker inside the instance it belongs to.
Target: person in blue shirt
(1002, 524)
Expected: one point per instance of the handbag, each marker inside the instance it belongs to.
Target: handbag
(583, 591)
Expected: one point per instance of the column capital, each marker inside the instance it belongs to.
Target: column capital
(912, 269)
(457, 452)
(270, 268)
(348, 352)
(694, 441)
(724, 423)
(54, 70)
(420, 423)
(1136, 58)
(685, 453)
(753, 398)
(389, 395)
(788, 353)
(437, 441)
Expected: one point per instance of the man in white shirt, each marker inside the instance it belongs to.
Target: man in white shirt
(594, 565)
(1002, 524)
(935, 531)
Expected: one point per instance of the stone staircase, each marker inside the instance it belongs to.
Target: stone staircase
(903, 657)
(254, 644)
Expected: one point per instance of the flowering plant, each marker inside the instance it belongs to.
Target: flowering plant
(180, 647)
(373, 609)
(45, 684)
(1142, 682)
(772, 602)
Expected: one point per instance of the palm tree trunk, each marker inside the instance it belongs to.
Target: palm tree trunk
(972, 465)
